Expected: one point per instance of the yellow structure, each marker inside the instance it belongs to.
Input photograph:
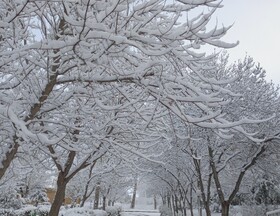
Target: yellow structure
(51, 194)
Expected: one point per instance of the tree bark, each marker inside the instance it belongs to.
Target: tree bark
(155, 202)
(225, 208)
(191, 200)
(63, 178)
(9, 156)
(205, 199)
(104, 203)
(110, 202)
(87, 192)
(59, 195)
(34, 110)
(96, 196)
(133, 200)
(173, 208)
(169, 201)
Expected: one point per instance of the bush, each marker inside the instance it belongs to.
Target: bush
(99, 213)
(253, 210)
(82, 212)
(114, 210)
(25, 211)
(7, 212)
(32, 210)
(165, 211)
(44, 211)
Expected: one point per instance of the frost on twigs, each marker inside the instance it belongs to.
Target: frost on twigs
(83, 77)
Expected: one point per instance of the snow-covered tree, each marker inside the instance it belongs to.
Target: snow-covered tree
(85, 77)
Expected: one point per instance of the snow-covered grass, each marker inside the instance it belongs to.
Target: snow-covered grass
(140, 210)
(82, 212)
(43, 211)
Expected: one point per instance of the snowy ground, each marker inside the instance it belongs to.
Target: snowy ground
(140, 214)
(147, 210)
(156, 214)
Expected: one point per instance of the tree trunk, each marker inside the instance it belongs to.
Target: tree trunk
(59, 195)
(155, 202)
(83, 201)
(176, 203)
(173, 208)
(133, 200)
(104, 203)
(96, 196)
(199, 207)
(109, 202)
(86, 195)
(191, 210)
(163, 199)
(225, 208)
(200, 185)
(9, 156)
(191, 200)
(169, 201)
(208, 211)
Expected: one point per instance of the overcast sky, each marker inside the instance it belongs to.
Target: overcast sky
(257, 27)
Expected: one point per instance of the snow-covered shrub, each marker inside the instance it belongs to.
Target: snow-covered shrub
(216, 208)
(42, 211)
(114, 210)
(236, 211)
(9, 198)
(38, 195)
(253, 210)
(82, 212)
(99, 213)
(7, 212)
(165, 211)
(32, 210)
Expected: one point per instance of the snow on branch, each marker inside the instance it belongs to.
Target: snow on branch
(25, 133)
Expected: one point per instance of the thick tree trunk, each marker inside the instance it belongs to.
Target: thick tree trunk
(225, 208)
(9, 156)
(191, 210)
(208, 211)
(59, 195)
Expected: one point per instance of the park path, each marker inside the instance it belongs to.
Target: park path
(138, 212)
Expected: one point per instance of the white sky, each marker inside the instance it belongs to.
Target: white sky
(257, 27)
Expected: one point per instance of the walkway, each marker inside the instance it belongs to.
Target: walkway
(138, 212)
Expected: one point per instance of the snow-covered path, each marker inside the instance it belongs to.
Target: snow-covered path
(151, 213)
(148, 210)
(141, 213)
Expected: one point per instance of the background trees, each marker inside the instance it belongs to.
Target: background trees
(225, 161)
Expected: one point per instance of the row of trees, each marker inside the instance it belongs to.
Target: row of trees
(205, 168)
(84, 80)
